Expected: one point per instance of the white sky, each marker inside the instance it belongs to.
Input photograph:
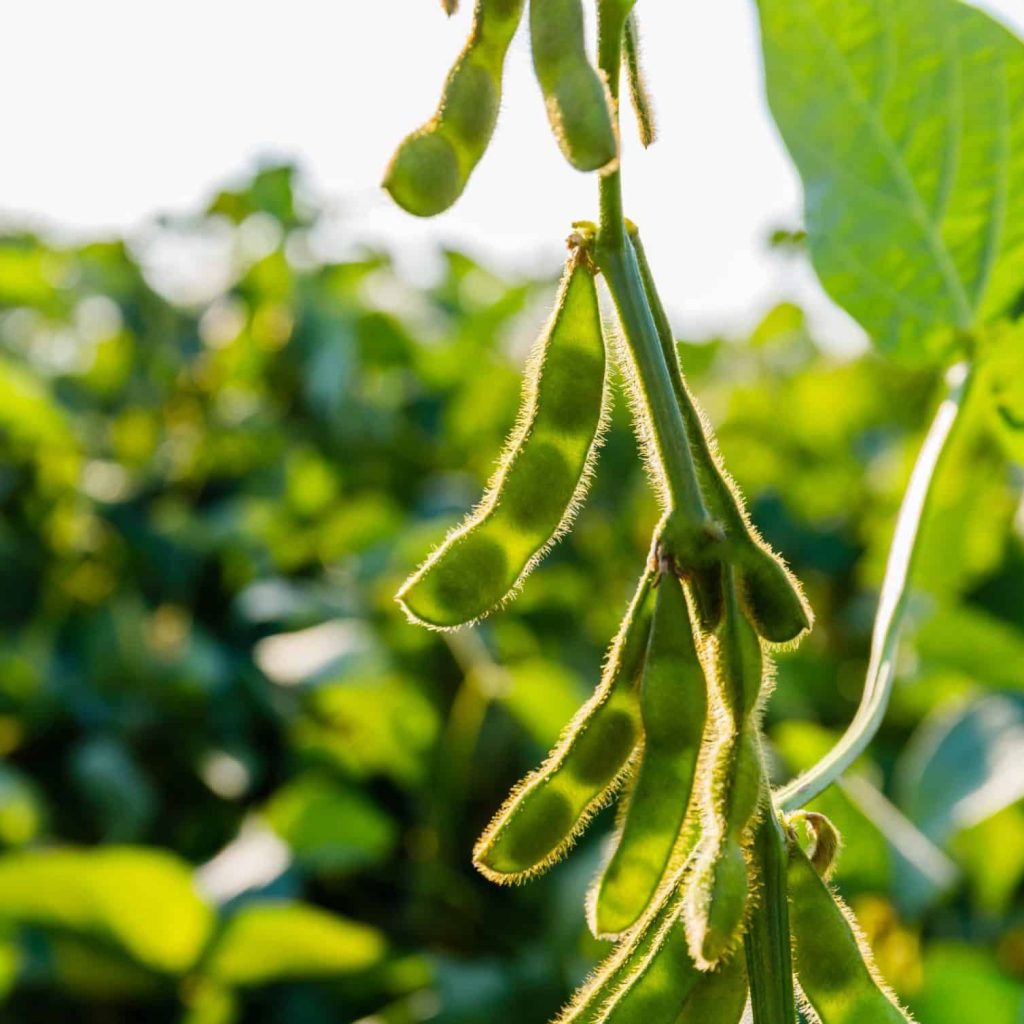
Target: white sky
(118, 109)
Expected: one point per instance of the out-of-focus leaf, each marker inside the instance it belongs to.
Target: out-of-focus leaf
(141, 901)
(114, 788)
(1002, 383)
(377, 725)
(914, 207)
(330, 826)
(22, 810)
(90, 971)
(976, 643)
(961, 982)
(264, 943)
(992, 855)
(963, 766)
(542, 696)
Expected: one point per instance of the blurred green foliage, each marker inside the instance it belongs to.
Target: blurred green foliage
(237, 786)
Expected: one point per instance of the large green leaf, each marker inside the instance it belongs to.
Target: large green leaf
(268, 942)
(137, 900)
(903, 118)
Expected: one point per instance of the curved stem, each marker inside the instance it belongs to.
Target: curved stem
(892, 601)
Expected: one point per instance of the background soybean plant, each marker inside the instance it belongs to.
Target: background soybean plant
(237, 786)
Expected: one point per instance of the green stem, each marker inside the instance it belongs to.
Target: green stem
(689, 528)
(720, 496)
(767, 943)
(892, 601)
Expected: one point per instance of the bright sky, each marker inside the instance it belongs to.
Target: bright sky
(115, 110)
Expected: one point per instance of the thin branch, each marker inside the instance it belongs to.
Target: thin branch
(892, 601)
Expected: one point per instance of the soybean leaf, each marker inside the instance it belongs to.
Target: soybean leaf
(903, 120)
(962, 767)
(269, 942)
(136, 900)
(330, 826)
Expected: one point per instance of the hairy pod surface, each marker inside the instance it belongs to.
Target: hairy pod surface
(431, 167)
(540, 819)
(638, 91)
(719, 891)
(833, 964)
(774, 600)
(575, 95)
(541, 479)
(673, 705)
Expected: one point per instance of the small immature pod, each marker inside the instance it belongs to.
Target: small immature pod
(576, 97)
(539, 821)
(673, 706)
(638, 91)
(834, 966)
(532, 498)
(432, 165)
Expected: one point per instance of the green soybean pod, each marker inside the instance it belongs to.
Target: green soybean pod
(542, 476)
(638, 91)
(771, 595)
(720, 996)
(431, 166)
(630, 961)
(673, 707)
(834, 966)
(550, 807)
(719, 890)
(577, 100)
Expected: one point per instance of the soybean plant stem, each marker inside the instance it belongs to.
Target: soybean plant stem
(689, 527)
(767, 943)
(892, 601)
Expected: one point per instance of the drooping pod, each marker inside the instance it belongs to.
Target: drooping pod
(543, 474)
(718, 892)
(629, 962)
(638, 91)
(431, 166)
(539, 821)
(834, 966)
(666, 987)
(575, 95)
(771, 595)
(673, 708)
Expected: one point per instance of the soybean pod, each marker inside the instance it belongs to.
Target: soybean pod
(431, 166)
(666, 987)
(542, 476)
(673, 708)
(628, 963)
(719, 890)
(638, 91)
(833, 963)
(575, 95)
(539, 821)
(771, 595)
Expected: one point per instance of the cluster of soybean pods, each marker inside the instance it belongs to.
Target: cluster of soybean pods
(674, 722)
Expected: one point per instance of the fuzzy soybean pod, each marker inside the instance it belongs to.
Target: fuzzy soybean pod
(834, 966)
(668, 988)
(673, 707)
(719, 889)
(539, 821)
(771, 595)
(431, 166)
(577, 100)
(542, 476)
(630, 961)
